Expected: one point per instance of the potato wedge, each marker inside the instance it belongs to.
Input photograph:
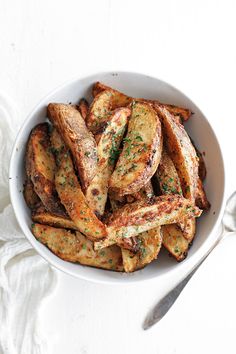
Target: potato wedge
(180, 113)
(74, 247)
(108, 148)
(175, 242)
(200, 196)
(141, 152)
(74, 201)
(83, 107)
(201, 165)
(150, 245)
(133, 243)
(167, 175)
(144, 193)
(70, 124)
(181, 152)
(102, 107)
(135, 218)
(170, 184)
(42, 216)
(57, 143)
(40, 167)
(31, 198)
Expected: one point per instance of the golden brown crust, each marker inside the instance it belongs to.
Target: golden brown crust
(200, 196)
(149, 247)
(201, 165)
(135, 218)
(175, 242)
(180, 113)
(40, 167)
(132, 244)
(42, 216)
(74, 247)
(170, 184)
(102, 106)
(108, 148)
(141, 152)
(167, 175)
(181, 152)
(31, 198)
(183, 113)
(74, 201)
(69, 123)
(83, 107)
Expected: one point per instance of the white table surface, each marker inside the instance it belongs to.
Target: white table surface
(190, 44)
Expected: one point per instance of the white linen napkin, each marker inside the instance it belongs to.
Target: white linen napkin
(25, 278)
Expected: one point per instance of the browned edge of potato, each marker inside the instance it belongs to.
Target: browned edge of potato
(31, 198)
(181, 152)
(108, 149)
(149, 247)
(70, 124)
(183, 114)
(73, 199)
(140, 216)
(40, 167)
(174, 241)
(42, 216)
(83, 107)
(141, 152)
(102, 107)
(74, 247)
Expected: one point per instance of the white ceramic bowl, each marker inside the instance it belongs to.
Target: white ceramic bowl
(136, 85)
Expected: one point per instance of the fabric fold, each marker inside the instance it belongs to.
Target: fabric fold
(26, 279)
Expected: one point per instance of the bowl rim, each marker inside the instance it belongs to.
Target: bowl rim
(188, 263)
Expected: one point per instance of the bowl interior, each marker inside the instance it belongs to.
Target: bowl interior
(136, 85)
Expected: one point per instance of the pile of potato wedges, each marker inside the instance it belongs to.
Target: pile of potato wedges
(111, 183)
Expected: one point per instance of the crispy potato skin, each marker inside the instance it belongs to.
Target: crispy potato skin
(132, 244)
(169, 207)
(140, 216)
(167, 175)
(74, 247)
(73, 199)
(101, 109)
(40, 167)
(144, 193)
(181, 152)
(31, 198)
(201, 165)
(141, 152)
(42, 216)
(83, 107)
(170, 184)
(70, 124)
(200, 196)
(108, 145)
(181, 114)
(174, 241)
(57, 142)
(149, 246)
